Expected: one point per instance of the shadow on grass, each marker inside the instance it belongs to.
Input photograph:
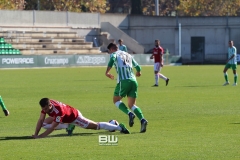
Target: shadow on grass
(61, 135)
(87, 80)
(199, 86)
(235, 123)
(15, 138)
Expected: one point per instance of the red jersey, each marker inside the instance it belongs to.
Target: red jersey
(158, 52)
(62, 112)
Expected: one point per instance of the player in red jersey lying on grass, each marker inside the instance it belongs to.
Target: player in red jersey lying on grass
(63, 114)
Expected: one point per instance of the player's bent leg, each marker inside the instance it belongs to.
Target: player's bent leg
(120, 105)
(48, 120)
(60, 126)
(164, 78)
(48, 123)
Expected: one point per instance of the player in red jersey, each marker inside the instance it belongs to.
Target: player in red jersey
(158, 63)
(61, 114)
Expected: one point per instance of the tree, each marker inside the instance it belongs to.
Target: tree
(69, 5)
(166, 7)
(12, 4)
(136, 7)
(39, 5)
(81, 5)
(208, 7)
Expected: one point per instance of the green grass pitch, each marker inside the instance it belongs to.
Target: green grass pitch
(194, 117)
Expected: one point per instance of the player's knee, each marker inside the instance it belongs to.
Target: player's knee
(116, 99)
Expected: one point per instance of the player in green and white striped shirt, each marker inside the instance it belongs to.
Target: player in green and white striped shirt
(231, 63)
(126, 84)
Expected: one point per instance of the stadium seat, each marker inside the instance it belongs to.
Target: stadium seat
(6, 51)
(10, 46)
(3, 51)
(17, 51)
(1, 46)
(7, 48)
(2, 40)
(10, 51)
(4, 46)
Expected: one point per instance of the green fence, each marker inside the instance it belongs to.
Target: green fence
(24, 61)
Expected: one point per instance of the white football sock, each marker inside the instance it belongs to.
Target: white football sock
(118, 103)
(156, 79)
(134, 107)
(162, 76)
(108, 126)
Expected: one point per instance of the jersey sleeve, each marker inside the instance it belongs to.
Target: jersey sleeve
(58, 119)
(160, 51)
(234, 51)
(135, 65)
(112, 60)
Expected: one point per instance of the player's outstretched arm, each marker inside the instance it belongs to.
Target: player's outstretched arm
(39, 124)
(48, 131)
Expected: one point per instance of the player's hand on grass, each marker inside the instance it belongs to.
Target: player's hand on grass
(35, 136)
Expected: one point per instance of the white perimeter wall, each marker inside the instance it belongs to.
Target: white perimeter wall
(144, 29)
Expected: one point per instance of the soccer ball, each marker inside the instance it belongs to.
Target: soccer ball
(113, 122)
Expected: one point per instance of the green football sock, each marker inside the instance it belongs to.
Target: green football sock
(226, 77)
(2, 104)
(235, 78)
(123, 108)
(138, 113)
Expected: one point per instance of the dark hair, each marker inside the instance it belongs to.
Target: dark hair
(157, 40)
(120, 40)
(111, 45)
(44, 102)
(230, 41)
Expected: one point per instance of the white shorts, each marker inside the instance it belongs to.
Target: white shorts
(81, 121)
(157, 67)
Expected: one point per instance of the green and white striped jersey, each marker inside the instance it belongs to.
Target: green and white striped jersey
(124, 64)
(232, 51)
